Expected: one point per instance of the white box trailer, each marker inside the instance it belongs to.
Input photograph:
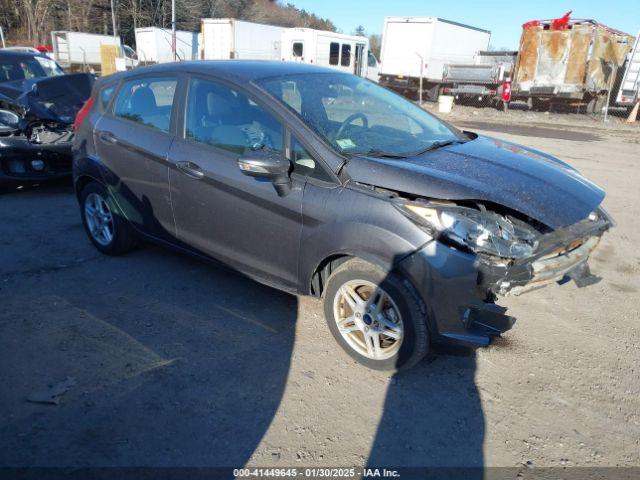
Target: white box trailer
(348, 53)
(629, 92)
(228, 38)
(82, 50)
(153, 45)
(415, 47)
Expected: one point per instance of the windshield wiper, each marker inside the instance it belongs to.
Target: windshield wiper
(374, 152)
(435, 145)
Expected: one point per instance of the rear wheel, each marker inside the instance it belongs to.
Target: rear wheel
(596, 103)
(540, 105)
(107, 229)
(375, 317)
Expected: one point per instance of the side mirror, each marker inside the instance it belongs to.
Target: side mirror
(269, 164)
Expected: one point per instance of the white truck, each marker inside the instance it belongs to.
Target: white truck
(228, 38)
(629, 92)
(81, 51)
(419, 47)
(348, 53)
(481, 80)
(153, 45)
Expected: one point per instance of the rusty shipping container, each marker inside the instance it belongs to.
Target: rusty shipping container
(570, 60)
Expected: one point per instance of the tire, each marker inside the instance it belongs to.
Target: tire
(539, 105)
(596, 104)
(400, 310)
(122, 238)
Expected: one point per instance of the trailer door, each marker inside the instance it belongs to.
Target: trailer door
(217, 40)
(404, 41)
(358, 67)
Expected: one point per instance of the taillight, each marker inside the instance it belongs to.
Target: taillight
(82, 114)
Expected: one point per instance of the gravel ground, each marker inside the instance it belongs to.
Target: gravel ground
(615, 125)
(178, 363)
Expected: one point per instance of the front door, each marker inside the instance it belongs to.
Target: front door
(237, 219)
(132, 142)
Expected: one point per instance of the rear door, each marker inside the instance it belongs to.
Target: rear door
(237, 219)
(132, 142)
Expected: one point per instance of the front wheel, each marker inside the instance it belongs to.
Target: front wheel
(375, 317)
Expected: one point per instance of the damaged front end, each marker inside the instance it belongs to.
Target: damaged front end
(560, 256)
(481, 252)
(36, 126)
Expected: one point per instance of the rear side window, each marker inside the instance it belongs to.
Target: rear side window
(222, 117)
(147, 101)
(334, 53)
(346, 55)
(105, 96)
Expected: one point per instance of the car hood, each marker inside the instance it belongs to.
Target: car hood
(491, 170)
(49, 98)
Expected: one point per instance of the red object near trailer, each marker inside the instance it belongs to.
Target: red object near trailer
(506, 91)
(561, 23)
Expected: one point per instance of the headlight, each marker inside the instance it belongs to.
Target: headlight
(480, 232)
(8, 121)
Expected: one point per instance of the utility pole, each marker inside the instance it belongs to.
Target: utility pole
(173, 29)
(113, 19)
(421, 76)
(614, 73)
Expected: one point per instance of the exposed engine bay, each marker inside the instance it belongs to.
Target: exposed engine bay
(36, 125)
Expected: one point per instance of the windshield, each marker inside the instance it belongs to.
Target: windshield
(357, 116)
(22, 68)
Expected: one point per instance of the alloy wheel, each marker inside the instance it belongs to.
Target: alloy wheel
(368, 319)
(99, 219)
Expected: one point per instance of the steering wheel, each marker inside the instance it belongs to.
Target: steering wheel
(349, 120)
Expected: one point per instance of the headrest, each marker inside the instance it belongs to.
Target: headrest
(218, 105)
(143, 100)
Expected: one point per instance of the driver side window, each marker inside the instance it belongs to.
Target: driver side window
(224, 118)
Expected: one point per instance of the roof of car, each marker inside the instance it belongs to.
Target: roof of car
(16, 54)
(240, 70)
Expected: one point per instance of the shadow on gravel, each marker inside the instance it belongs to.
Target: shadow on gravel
(175, 363)
(432, 414)
(433, 418)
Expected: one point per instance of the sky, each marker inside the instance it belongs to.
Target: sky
(503, 19)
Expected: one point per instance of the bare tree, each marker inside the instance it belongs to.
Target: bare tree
(32, 21)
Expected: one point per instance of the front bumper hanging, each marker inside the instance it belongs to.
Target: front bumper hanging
(459, 289)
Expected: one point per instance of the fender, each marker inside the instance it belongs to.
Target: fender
(371, 229)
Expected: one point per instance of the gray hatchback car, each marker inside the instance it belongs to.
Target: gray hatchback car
(322, 183)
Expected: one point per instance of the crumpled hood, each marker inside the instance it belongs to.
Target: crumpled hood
(49, 98)
(487, 169)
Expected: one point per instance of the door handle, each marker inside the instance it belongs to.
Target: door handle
(108, 137)
(190, 169)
